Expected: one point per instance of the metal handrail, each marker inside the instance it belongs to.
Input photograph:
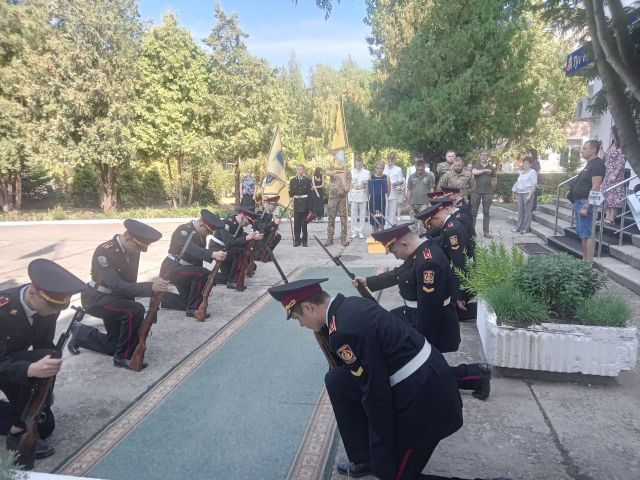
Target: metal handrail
(624, 211)
(555, 228)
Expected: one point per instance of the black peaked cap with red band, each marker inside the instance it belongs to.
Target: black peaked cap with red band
(142, 234)
(211, 220)
(54, 283)
(391, 235)
(436, 205)
(291, 294)
(272, 199)
(250, 214)
(448, 190)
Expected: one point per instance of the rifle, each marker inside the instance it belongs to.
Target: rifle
(136, 362)
(39, 395)
(211, 282)
(362, 290)
(248, 262)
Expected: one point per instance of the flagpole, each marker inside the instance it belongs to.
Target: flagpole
(346, 145)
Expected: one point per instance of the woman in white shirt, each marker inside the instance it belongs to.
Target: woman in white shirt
(523, 191)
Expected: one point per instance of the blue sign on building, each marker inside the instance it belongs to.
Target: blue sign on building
(578, 60)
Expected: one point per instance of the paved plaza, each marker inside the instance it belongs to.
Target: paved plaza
(534, 426)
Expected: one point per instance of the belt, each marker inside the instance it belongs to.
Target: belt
(412, 365)
(414, 303)
(99, 288)
(300, 196)
(181, 262)
(218, 241)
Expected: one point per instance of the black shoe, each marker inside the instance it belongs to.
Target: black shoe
(296, 244)
(485, 379)
(304, 244)
(43, 447)
(121, 362)
(72, 346)
(354, 469)
(192, 313)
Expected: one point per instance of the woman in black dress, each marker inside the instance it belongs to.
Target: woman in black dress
(317, 197)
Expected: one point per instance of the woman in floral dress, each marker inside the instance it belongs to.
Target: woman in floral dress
(614, 161)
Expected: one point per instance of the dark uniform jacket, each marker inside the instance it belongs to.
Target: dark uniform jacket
(454, 241)
(300, 187)
(426, 278)
(232, 236)
(196, 251)
(17, 335)
(373, 344)
(116, 272)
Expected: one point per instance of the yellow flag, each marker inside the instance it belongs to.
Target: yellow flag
(275, 182)
(339, 143)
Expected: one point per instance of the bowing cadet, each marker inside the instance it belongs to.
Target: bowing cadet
(426, 283)
(392, 394)
(233, 239)
(28, 316)
(183, 264)
(267, 223)
(477, 376)
(463, 215)
(112, 294)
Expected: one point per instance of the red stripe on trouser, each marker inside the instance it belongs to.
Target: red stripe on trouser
(130, 315)
(187, 274)
(403, 464)
(472, 377)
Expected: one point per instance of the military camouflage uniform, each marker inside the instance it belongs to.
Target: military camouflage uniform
(337, 205)
(442, 168)
(463, 180)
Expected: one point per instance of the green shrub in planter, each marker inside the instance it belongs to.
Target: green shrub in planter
(515, 307)
(606, 310)
(492, 266)
(559, 280)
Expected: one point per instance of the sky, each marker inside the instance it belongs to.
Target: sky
(278, 27)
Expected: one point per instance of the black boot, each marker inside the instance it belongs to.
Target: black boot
(43, 447)
(485, 382)
(354, 469)
(73, 346)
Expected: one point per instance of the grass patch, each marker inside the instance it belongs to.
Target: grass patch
(605, 310)
(515, 307)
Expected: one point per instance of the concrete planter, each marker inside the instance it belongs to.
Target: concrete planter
(555, 347)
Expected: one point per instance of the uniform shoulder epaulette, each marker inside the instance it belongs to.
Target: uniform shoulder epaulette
(4, 301)
(107, 245)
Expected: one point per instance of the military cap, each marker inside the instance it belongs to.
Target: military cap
(54, 283)
(448, 190)
(391, 235)
(446, 201)
(250, 214)
(142, 234)
(290, 294)
(435, 195)
(429, 212)
(211, 220)
(272, 199)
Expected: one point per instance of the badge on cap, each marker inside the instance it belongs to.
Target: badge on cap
(346, 354)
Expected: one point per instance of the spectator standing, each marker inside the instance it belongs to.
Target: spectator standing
(458, 177)
(396, 195)
(419, 185)
(317, 196)
(378, 188)
(444, 167)
(299, 191)
(248, 188)
(535, 164)
(486, 180)
(589, 180)
(614, 162)
(358, 197)
(338, 189)
(523, 192)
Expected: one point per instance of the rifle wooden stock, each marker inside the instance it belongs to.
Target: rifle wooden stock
(136, 363)
(245, 262)
(40, 394)
(322, 337)
(264, 258)
(201, 314)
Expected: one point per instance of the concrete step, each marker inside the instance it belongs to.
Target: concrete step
(564, 203)
(622, 273)
(629, 254)
(549, 220)
(563, 213)
(569, 245)
(635, 240)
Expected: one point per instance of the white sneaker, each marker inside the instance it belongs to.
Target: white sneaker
(353, 235)
(360, 235)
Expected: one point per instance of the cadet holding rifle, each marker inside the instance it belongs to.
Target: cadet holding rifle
(28, 316)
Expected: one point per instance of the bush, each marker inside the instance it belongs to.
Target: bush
(140, 186)
(606, 310)
(559, 280)
(492, 266)
(84, 189)
(515, 307)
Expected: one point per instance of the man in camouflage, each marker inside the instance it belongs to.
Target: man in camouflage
(444, 167)
(338, 189)
(458, 177)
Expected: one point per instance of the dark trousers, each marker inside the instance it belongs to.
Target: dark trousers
(122, 319)
(300, 226)
(486, 199)
(230, 269)
(467, 376)
(19, 395)
(190, 281)
(261, 252)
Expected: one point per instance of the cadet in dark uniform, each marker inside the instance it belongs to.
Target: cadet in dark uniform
(267, 223)
(28, 316)
(426, 283)
(299, 191)
(393, 395)
(233, 240)
(184, 269)
(463, 215)
(477, 376)
(112, 296)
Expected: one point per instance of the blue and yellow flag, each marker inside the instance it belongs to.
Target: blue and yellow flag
(339, 143)
(275, 182)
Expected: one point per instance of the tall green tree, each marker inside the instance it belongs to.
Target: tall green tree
(171, 108)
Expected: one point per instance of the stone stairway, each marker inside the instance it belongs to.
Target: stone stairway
(620, 262)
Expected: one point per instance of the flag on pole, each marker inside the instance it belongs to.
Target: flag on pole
(340, 143)
(275, 182)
